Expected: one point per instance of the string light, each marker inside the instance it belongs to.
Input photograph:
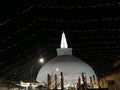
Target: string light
(110, 48)
(32, 6)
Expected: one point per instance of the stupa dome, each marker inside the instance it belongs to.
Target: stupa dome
(69, 65)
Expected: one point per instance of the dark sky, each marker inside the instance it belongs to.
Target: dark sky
(32, 29)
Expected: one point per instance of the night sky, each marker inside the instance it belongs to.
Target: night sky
(32, 29)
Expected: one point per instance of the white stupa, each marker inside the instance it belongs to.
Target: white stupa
(65, 62)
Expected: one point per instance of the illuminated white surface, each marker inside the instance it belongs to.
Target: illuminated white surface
(71, 67)
(63, 41)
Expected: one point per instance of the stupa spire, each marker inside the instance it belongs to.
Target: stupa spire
(63, 41)
(64, 50)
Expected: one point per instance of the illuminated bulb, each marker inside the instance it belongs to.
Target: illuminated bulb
(57, 69)
(41, 60)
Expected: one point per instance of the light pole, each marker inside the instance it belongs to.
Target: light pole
(41, 60)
